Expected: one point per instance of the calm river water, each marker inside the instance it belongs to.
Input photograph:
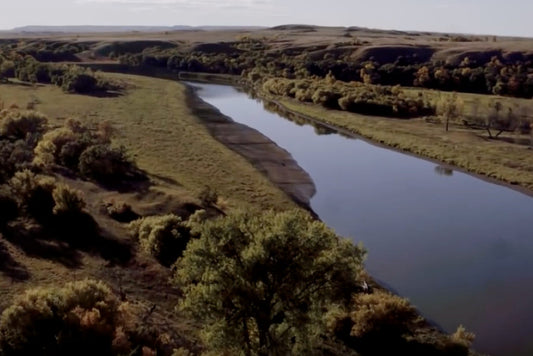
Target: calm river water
(459, 248)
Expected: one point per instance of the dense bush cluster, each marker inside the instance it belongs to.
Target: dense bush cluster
(492, 72)
(164, 237)
(84, 151)
(52, 51)
(30, 153)
(19, 133)
(354, 97)
(486, 72)
(81, 318)
(71, 78)
(379, 323)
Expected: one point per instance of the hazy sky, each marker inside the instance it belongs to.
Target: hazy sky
(504, 17)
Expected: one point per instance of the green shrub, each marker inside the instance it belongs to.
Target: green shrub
(120, 211)
(79, 83)
(23, 184)
(208, 196)
(382, 324)
(68, 201)
(7, 69)
(65, 145)
(46, 151)
(82, 318)
(381, 313)
(14, 156)
(33, 193)
(20, 124)
(104, 164)
(164, 237)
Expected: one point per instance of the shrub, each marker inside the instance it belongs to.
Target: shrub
(78, 80)
(66, 144)
(44, 153)
(381, 314)
(33, 193)
(14, 156)
(164, 237)
(208, 196)
(23, 184)
(7, 69)
(121, 212)
(81, 318)
(18, 124)
(462, 337)
(382, 324)
(104, 164)
(68, 201)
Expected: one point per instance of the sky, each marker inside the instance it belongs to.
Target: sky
(498, 17)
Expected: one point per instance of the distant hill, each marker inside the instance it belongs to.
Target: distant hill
(103, 29)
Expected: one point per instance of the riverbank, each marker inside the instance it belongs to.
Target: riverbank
(465, 149)
(267, 157)
(496, 160)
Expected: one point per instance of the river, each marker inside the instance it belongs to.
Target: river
(458, 247)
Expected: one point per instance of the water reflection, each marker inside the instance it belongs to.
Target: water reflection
(320, 129)
(444, 171)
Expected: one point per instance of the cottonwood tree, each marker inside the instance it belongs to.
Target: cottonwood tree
(500, 121)
(260, 284)
(450, 108)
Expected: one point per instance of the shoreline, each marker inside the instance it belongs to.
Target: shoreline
(263, 154)
(285, 111)
(347, 132)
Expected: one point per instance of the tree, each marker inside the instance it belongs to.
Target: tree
(450, 108)
(496, 120)
(260, 284)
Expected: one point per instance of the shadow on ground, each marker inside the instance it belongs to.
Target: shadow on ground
(10, 267)
(62, 239)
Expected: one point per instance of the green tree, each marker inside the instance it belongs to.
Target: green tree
(260, 284)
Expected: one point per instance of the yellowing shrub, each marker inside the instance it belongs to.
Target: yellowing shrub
(67, 200)
(164, 237)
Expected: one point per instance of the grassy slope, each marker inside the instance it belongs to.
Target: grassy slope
(154, 123)
(166, 140)
(464, 148)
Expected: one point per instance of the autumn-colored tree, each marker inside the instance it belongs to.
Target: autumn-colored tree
(450, 108)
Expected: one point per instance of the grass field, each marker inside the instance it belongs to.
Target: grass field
(159, 131)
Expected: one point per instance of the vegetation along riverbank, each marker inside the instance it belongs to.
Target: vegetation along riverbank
(143, 197)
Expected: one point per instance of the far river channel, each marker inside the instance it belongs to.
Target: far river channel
(458, 247)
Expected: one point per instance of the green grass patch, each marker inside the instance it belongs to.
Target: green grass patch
(154, 123)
